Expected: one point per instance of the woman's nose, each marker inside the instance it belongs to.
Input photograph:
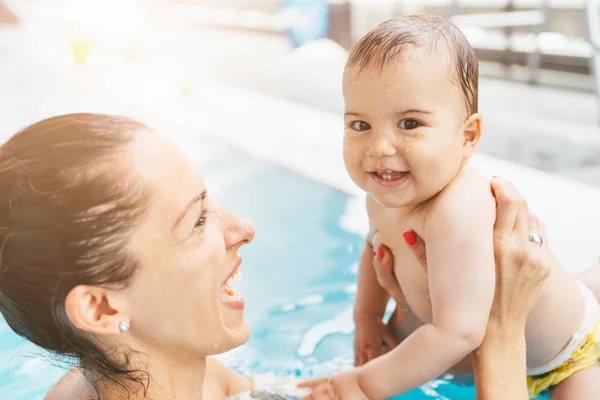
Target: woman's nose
(238, 231)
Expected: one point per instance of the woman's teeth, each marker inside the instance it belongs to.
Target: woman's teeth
(233, 279)
(227, 288)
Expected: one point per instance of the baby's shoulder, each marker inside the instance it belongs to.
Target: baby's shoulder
(469, 195)
(469, 187)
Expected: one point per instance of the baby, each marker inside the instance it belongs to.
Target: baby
(411, 125)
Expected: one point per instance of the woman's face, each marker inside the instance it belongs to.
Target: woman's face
(187, 248)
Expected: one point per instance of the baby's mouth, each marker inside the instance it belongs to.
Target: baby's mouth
(389, 175)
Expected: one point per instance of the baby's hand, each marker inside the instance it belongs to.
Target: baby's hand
(372, 338)
(341, 386)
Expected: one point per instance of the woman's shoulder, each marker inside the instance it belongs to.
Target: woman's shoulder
(72, 386)
(221, 381)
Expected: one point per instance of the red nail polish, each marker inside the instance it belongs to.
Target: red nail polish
(410, 238)
(380, 253)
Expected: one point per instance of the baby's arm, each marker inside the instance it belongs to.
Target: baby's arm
(460, 261)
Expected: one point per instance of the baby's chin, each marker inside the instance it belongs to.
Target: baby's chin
(390, 200)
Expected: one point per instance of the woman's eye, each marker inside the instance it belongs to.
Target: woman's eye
(409, 124)
(360, 126)
(201, 220)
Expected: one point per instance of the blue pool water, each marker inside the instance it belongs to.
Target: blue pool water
(299, 281)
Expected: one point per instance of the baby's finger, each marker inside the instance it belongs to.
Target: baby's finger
(390, 339)
(321, 392)
(312, 382)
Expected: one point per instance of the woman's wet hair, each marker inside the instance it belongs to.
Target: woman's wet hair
(68, 206)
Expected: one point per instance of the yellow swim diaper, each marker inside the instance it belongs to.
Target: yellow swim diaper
(585, 354)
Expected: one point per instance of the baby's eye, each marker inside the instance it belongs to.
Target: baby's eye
(409, 124)
(360, 126)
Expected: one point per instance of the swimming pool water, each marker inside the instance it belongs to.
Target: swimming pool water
(299, 281)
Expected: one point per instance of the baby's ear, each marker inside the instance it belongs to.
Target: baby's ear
(471, 131)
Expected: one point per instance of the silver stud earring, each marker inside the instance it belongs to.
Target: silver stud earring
(124, 326)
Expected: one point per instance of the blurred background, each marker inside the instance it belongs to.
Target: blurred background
(260, 74)
(538, 83)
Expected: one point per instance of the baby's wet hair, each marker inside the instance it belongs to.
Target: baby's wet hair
(385, 44)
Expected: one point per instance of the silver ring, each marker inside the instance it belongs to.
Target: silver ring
(533, 237)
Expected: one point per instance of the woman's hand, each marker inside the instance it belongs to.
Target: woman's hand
(522, 265)
(384, 269)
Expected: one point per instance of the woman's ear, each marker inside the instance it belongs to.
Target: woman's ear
(471, 132)
(90, 309)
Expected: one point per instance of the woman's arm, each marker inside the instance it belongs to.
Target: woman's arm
(522, 267)
(499, 365)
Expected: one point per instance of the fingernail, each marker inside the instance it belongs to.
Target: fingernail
(410, 238)
(380, 253)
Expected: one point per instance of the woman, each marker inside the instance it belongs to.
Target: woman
(114, 254)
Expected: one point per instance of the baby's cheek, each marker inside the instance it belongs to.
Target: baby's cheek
(407, 151)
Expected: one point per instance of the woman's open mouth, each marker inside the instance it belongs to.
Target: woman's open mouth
(389, 178)
(230, 296)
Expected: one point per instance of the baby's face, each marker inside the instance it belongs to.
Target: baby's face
(403, 142)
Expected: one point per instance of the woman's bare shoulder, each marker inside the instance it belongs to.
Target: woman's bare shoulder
(72, 386)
